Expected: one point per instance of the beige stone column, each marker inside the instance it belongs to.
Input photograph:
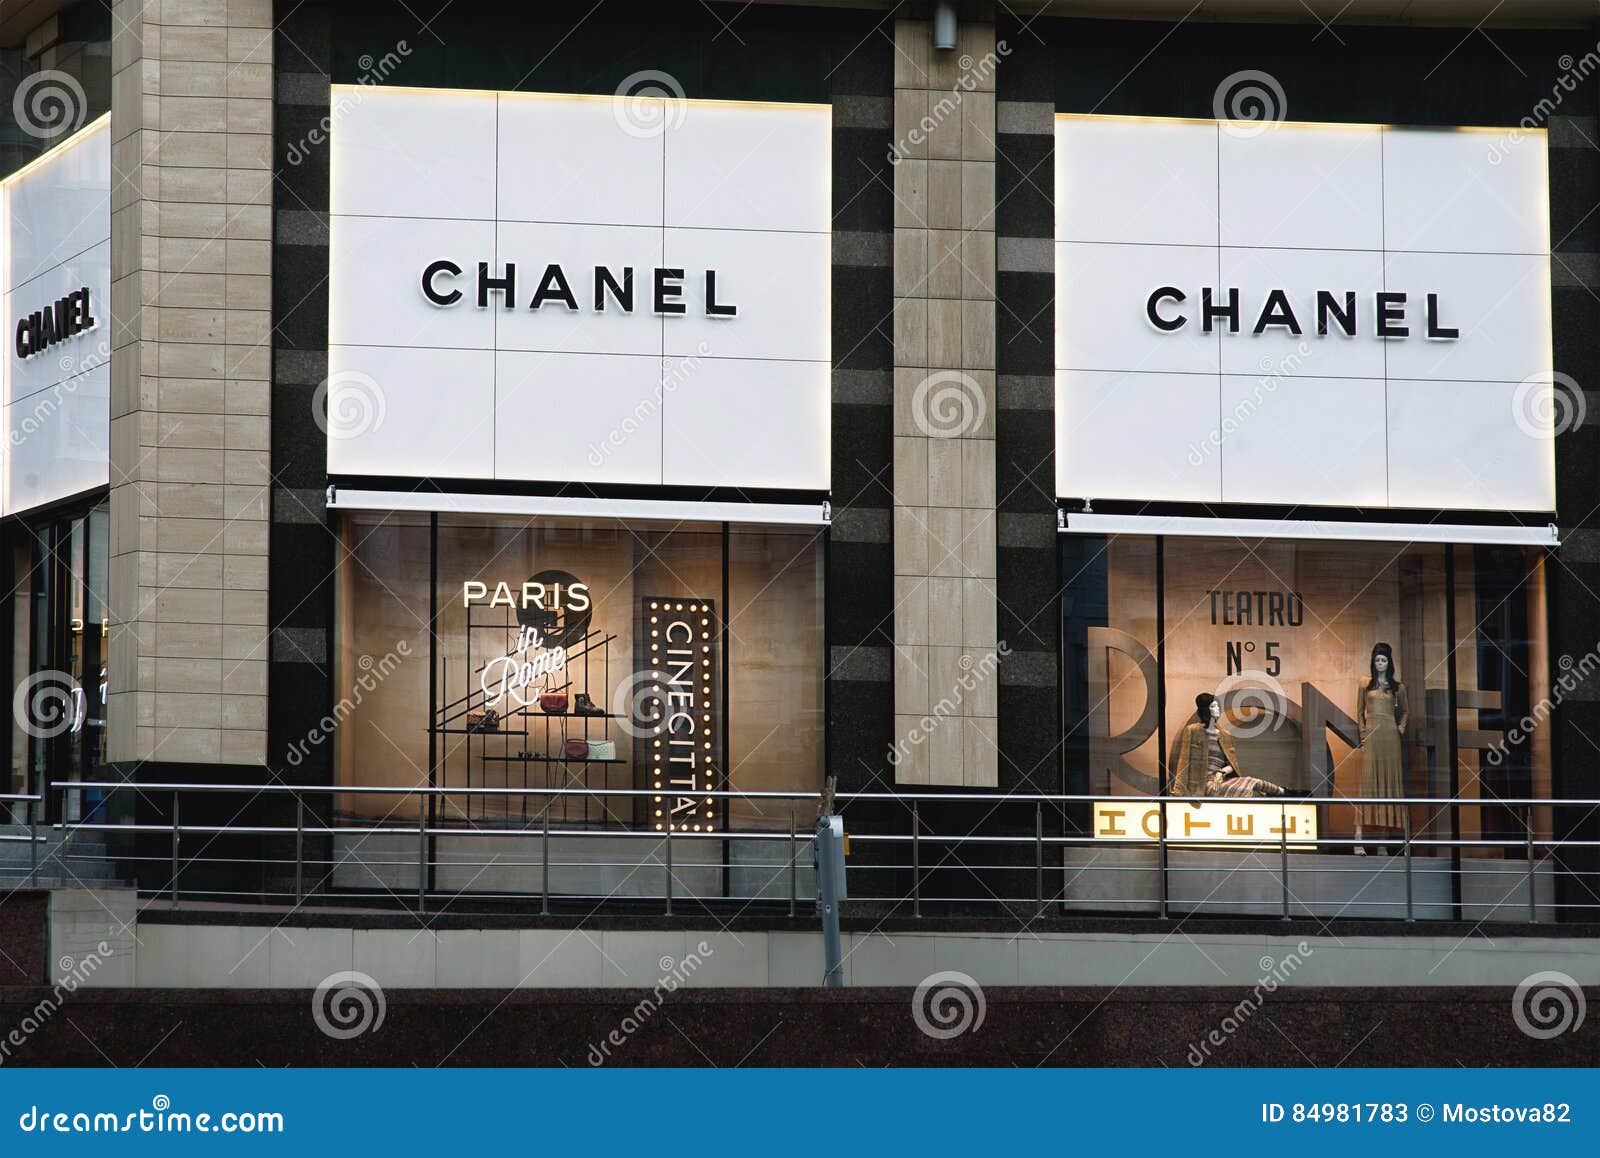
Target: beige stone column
(191, 262)
(944, 459)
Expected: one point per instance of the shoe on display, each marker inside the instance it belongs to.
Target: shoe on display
(582, 705)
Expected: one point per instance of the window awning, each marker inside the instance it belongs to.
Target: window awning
(1545, 535)
(571, 507)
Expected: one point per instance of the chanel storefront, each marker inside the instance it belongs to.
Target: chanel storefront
(1306, 422)
(627, 301)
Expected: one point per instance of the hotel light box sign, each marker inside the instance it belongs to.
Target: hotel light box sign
(562, 288)
(1344, 315)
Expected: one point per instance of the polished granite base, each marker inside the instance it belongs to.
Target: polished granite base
(732, 1027)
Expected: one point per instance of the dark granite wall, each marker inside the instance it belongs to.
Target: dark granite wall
(790, 1027)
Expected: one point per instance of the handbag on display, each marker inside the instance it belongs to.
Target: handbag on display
(577, 749)
(553, 703)
(487, 720)
(602, 749)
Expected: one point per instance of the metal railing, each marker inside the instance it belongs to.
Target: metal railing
(32, 806)
(918, 853)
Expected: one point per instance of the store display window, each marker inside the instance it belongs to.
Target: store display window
(1263, 671)
(574, 657)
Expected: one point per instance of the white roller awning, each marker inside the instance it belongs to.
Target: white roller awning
(1545, 535)
(569, 507)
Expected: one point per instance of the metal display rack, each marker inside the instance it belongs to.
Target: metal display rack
(528, 738)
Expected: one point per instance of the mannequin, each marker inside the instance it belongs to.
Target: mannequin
(1208, 758)
(1381, 712)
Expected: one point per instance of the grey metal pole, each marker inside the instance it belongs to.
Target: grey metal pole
(1411, 916)
(299, 848)
(916, 861)
(794, 867)
(669, 866)
(1533, 893)
(33, 843)
(830, 890)
(1283, 852)
(1038, 854)
(544, 880)
(175, 848)
(422, 853)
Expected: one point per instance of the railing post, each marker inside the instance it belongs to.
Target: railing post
(1038, 855)
(175, 839)
(422, 852)
(1283, 853)
(1410, 908)
(1533, 889)
(33, 842)
(544, 877)
(299, 848)
(916, 861)
(1161, 855)
(794, 866)
(669, 866)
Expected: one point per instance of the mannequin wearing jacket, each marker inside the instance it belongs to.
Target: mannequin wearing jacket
(1208, 759)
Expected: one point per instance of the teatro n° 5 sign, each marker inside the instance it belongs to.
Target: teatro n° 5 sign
(561, 288)
(1341, 315)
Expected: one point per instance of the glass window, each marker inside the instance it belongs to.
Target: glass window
(577, 657)
(1259, 671)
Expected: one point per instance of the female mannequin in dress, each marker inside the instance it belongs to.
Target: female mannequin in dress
(1381, 712)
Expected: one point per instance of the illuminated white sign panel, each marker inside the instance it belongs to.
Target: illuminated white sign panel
(557, 288)
(57, 271)
(1339, 315)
